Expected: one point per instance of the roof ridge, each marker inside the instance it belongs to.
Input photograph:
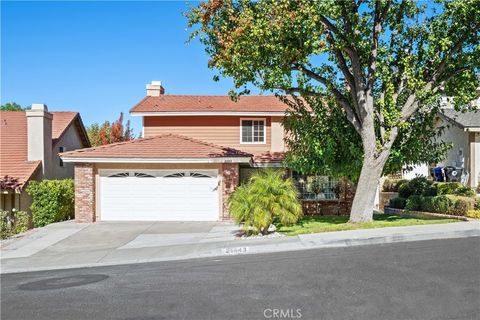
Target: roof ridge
(106, 146)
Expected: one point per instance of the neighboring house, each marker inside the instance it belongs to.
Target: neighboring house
(194, 152)
(29, 146)
(463, 131)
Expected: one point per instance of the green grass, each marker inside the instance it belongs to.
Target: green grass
(317, 224)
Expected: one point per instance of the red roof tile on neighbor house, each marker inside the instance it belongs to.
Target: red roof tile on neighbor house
(186, 103)
(13, 142)
(159, 147)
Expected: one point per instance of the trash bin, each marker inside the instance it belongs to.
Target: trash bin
(438, 173)
(453, 174)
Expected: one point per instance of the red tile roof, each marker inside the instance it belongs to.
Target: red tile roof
(13, 142)
(163, 146)
(185, 103)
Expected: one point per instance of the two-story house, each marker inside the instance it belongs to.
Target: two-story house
(193, 153)
(30, 142)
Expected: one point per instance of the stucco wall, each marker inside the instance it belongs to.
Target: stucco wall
(70, 140)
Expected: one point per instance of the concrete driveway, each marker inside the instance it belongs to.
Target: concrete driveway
(69, 243)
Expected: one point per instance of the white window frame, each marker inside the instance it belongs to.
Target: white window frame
(264, 130)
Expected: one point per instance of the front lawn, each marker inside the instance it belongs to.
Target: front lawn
(315, 224)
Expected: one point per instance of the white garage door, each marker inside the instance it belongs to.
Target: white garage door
(167, 195)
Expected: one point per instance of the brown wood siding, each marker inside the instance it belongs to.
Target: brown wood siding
(221, 130)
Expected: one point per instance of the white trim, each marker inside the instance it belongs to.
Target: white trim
(159, 160)
(264, 130)
(207, 113)
(472, 129)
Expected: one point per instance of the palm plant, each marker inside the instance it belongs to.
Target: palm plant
(267, 196)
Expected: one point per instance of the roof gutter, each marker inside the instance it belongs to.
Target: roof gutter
(157, 160)
(205, 113)
(472, 129)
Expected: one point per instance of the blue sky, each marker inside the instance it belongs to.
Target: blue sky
(96, 57)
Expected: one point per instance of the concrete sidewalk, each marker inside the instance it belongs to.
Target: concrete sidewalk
(146, 243)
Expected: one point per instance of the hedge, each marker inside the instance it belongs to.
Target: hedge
(52, 201)
(438, 204)
(398, 203)
(414, 203)
(461, 205)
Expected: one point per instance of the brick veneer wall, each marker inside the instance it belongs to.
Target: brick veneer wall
(230, 180)
(84, 192)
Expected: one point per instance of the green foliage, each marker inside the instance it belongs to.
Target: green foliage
(11, 106)
(398, 203)
(447, 187)
(438, 204)
(52, 201)
(12, 223)
(404, 190)
(372, 72)
(414, 203)
(418, 185)
(267, 196)
(465, 191)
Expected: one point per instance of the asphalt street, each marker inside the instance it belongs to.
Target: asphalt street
(438, 279)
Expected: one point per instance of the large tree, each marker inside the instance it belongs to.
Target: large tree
(384, 63)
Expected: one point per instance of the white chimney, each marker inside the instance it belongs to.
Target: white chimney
(39, 136)
(155, 89)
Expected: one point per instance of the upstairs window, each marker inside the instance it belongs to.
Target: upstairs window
(252, 131)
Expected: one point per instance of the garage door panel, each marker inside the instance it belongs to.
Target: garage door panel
(134, 196)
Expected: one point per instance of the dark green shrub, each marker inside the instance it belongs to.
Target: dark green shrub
(414, 203)
(404, 190)
(398, 203)
(465, 192)
(447, 187)
(418, 185)
(477, 203)
(461, 205)
(438, 204)
(12, 223)
(52, 201)
(430, 191)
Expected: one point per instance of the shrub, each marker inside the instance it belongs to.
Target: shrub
(52, 201)
(430, 191)
(404, 190)
(477, 203)
(398, 203)
(477, 189)
(438, 204)
(461, 205)
(13, 223)
(465, 191)
(267, 196)
(447, 187)
(418, 185)
(414, 203)
(473, 214)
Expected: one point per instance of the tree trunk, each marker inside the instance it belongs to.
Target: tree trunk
(364, 201)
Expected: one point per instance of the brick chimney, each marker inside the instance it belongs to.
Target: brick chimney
(39, 136)
(155, 89)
